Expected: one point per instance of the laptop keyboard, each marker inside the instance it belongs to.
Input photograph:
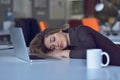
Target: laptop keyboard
(34, 57)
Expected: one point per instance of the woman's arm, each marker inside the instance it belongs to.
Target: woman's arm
(60, 53)
(78, 54)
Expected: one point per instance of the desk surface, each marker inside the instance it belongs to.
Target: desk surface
(12, 68)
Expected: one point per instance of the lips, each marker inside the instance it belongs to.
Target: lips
(61, 45)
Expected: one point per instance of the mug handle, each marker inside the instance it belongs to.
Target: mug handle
(108, 59)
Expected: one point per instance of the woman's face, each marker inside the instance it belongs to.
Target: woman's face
(56, 41)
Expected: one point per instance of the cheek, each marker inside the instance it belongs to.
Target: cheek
(64, 44)
(64, 41)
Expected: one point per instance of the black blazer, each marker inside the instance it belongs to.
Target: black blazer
(83, 38)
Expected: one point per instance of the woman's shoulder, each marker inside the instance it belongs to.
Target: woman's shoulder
(79, 27)
(77, 30)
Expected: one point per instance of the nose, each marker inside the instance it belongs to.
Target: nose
(56, 44)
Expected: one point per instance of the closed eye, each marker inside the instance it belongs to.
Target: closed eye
(52, 39)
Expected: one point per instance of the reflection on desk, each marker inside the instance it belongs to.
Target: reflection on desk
(65, 69)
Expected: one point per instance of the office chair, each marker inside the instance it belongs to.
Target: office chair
(29, 26)
(92, 23)
(43, 25)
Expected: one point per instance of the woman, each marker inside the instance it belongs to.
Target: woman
(73, 43)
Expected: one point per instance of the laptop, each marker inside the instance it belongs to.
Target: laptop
(21, 50)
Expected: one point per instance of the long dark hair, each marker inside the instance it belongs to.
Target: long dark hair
(37, 44)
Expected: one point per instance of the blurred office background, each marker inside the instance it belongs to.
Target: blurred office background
(57, 13)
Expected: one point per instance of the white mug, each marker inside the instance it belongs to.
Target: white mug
(94, 58)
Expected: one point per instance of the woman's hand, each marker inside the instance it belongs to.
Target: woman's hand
(60, 53)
